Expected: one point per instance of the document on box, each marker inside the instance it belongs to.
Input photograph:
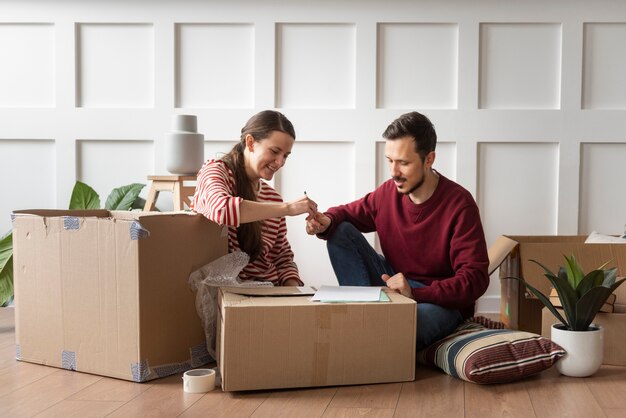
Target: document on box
(348, 294)
(595, 238)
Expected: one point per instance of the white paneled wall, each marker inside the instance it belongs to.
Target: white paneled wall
(528, 98)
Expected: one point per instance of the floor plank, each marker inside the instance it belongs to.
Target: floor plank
(358, 413)
(43, 393)
(555, 395)
(296, 403)
(219, 404)
(164, 398)
(80, 409)
(608, 387)
(432, 394)
(21, 374)
(381, 396)
(509, 400)
(109, 389)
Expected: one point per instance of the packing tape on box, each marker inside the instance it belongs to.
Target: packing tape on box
(142, 371)
(18, 352)
(68, 360)
(137, 231)
(71, 222)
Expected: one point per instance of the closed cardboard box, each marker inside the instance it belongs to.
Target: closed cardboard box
(519, 309)
(614, 332)
(267, 341)
(107, 292)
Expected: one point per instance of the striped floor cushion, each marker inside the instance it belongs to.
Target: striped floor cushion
(481, 355)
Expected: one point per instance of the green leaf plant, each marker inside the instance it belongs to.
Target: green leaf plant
(582, 295)
(83, 197)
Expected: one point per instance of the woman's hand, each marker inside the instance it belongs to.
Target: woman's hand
(302, 205)
(317, 223)
(398, 283)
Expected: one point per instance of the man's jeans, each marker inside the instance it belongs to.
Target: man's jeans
(356, 263)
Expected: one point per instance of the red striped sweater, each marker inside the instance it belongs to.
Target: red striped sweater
(215, 198)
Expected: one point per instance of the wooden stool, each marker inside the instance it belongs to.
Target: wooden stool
(181, 194)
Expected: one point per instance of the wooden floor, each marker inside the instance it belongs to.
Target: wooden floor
(32, 390)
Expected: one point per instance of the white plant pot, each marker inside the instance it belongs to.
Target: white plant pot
(184, 146)
(585, 350)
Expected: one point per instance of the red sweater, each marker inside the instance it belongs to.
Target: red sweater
(440, 242)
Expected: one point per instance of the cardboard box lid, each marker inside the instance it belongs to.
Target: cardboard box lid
(499, 250)
(549, 251)
(286, 296)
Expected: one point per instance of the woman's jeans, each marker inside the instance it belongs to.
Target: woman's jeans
(356, 263)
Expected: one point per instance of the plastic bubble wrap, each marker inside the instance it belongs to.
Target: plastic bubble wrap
(221, 272)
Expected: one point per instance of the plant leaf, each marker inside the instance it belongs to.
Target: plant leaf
(6, 269)
(84, 197)
(609, 277)
(591, 280)
(6, 283)
(123, 197)
(574, 272)
(590, 304)
(140, 203)
(566, 293)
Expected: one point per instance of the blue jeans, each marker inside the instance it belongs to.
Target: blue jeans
(356, 263)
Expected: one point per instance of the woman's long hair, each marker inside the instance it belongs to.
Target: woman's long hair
(260, 126)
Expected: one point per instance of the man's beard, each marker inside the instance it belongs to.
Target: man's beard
(415, 187)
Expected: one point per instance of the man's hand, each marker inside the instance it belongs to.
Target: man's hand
(398, 283)
(317, 223)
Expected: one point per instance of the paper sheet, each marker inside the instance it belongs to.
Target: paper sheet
(595, 238)
(347, 294)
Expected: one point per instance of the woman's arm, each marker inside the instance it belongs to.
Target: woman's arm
(251, 211)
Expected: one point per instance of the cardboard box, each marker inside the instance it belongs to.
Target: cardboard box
(519, 309)
(107, 292)
(614, 332)
(267, 342)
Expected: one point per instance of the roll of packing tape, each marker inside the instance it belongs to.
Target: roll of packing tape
(199, 380)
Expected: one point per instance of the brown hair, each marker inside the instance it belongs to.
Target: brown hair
(260, 126)
(419, 127)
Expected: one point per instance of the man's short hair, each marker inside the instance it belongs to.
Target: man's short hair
(417, 126)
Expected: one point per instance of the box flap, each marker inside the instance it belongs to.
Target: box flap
(499, 251)
(98, 213)
(137, 215)
(271, 290)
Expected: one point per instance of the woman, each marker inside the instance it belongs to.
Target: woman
(231, 191)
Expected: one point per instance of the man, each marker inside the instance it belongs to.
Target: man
(429, 228)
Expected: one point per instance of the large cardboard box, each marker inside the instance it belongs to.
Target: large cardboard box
(519, 309)
(107, 292)
(267, 342)
(614, 332)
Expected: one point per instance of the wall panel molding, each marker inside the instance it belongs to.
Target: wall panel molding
(527, 98)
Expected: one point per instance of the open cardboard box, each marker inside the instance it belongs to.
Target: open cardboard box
(107, 292)
(268, 338)
(519, 309)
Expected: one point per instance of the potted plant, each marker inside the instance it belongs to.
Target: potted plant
(582, 296)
